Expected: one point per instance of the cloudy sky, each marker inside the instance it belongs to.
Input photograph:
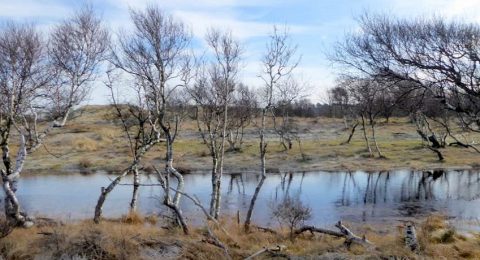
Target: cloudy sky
(315, 25)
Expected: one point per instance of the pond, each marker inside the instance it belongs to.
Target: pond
(352, 196)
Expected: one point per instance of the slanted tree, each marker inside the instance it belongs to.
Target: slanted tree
(26, 82)
(23, 77)
(430, 53)
(77, 47)
(156, 58)
(278, 62)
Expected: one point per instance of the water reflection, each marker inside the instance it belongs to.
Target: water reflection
(355, 196)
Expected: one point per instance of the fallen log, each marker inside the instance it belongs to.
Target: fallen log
(349, 236)
(313, 229)
(265, 229)
(273, 250)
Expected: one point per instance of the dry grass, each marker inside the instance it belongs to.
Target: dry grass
(133, 218)
(94, 136)
(131, 237)
(84, 144)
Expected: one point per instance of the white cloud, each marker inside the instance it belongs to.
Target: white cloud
(195, 4)
(466, 10)
(243, 30)
(31, 9)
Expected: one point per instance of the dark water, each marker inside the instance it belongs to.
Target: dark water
(355, 196)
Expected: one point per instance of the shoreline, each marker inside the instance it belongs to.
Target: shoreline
(233, 170)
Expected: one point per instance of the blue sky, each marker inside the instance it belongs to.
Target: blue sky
(314, 25)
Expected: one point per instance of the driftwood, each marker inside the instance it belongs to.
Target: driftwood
(266, 229)
(273, 250)
(349, 236)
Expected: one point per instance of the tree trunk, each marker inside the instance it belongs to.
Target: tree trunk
(365, 137)
(252, 203)
(105, 191)
(180, 218)
(437, 152)
(380, 155)
(12, 206)
(164, 179)
(345, 122)
(231, 141)
(10, 178)
(304, 156)
(214, 200)
(218, 176)
(64, 119)
(283, 142)
(351, 134)
(263, 145)
(136, 185)
(263, 152)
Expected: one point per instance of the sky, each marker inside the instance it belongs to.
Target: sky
(315, 26)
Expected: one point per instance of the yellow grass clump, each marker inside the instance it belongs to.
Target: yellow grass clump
(85, 144)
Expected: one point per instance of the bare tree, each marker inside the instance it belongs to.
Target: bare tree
(141, 132)
(213, 94)
(366, 94)
(428, 135)
(207, 95)
(432, 54)
(278, 63)
(288, 92)
(77, 47)
(339, 99)
(24, 78)
(292, 212)
(31, 79)
(243, 110)
(155, 56)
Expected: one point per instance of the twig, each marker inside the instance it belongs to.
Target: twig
(265, 229)
(212, 239)
(52, 154)
(274, 249)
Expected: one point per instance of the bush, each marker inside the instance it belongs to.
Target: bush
(292, 212)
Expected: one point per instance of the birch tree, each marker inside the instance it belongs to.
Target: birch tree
(24, 78)
(225, 66)
(215, 83)
(77, 47)
(30, 82)
(27, 80)
(278, 62)
(156, 58)
(428, 53)
(243, 110)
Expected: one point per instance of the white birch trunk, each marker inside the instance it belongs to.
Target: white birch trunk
(136, 186)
